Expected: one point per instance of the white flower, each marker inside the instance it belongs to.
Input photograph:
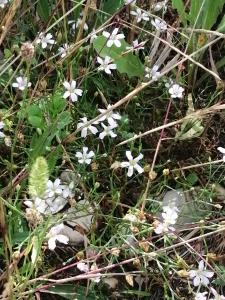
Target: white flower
(64, 50)
(38, 204)
(3, 3)
(176, 91)
(81, 266)
(113, 38)
(201, 296)
(216, 295)
(105, 64)
(85, 157)
(110, 116)
(93, 36)
(222, 150)
(159, 25)
(158, 6)
(136, 46)
(169, 216)
(132, 164)
(44, 40)
(54, 235)
(76, 24)
(108, 131)
(140, 15)
(128, 2)
(152, 73)
(72, 91)
(68, 190)
(84, 131)
(200, 276)
(2, 124)
(54, 188)
(22, 83)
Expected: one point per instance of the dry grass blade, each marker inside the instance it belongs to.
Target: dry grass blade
(198, 114)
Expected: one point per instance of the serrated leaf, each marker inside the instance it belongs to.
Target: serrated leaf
(127, 63)
(38, 177)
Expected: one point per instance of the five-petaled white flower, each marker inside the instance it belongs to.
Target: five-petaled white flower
(201, 296)
(105, 65)
(44, 40)
(159, 25)
(176, 91)
(169, 216)
(54, 188)
(71, 90)
(84, 131)
(136, 46)
(22, 83)
(113, 38)
(3, 3)
(222, 150)
(85, 157)
(55, 235)
(108, 130)
(132, 164)
(201, 275)
(140, 15)
(38, 204)
(2, 124)
(152, 73)
(63, 50)
(110, 116)
(216, 295)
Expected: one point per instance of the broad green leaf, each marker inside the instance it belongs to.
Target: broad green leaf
(179, 6)
(128, 63)
(53, 157)
(38, 177)
(111, 7)
(43, 9)
(192, 178)
(35, 116)
(57, 105)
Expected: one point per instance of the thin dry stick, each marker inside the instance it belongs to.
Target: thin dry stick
(199, 165)
(154, 159)
(198, 114)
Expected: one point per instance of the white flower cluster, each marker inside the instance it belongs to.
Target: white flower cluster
(169, 216)
(55, 198)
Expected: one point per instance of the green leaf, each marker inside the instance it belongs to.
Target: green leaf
(221, 27)
(179, 6)
(128, 63)
(57, 105)
(71, 292)
(111, 7)
(35, 116)
(190, 129)
(38, 177)
(39, 143)
(43, 9)
(53, 157)
(192, 178)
